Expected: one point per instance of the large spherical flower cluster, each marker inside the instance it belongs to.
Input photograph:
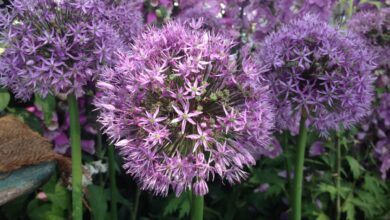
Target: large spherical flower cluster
(126, 18)
(259, 18)
(182, 110)
(317, 70)
(210, 21)
(374, 26)
(253, 17)
(291, 9)
(262, 17)
(219, 15)
(54, 46)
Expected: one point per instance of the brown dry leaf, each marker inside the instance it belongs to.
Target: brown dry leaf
(21, 146)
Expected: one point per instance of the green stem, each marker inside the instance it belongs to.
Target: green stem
(197, 207)
(285, 144)
(77, 213)
(99, 154)
(350, 8)
(136, 203)
(111, 165)
(338, 178)
(298, 179)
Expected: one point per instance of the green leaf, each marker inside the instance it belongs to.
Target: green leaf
(4, 99)
(322, 216)
(273, 191)
(98, 201)
(355, 166)
(60, 197)
(349, 208)
(326, 188)
(184, 208)
(37, 210)
(57, 206)
(172, 205)
(121, 200)
(374, 185)
(181, 204)
(372, 198)
(47, 105)
(266, 176)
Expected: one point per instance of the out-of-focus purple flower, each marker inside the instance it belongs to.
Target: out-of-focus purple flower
(259, 19)
(384, 109)
(284, 174)
(54, 46)
(381, 125)
(370, 5)
(376, 132)
(262, 188)
(262, 17)
(181, 109)
(61, 143)
(374, 27)
(292, 9)
(316, 149)
(219, 15)
(185, 4)
(126, 18)
(382, 152)
(385, 166)
(317, 70)
(88, 146)
(274, 149)
(58, 131)
(210, 20)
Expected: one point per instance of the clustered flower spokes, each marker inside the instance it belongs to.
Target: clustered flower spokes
(202, 138)
(177, 98)
(185, 116)
(151, 119)
(315, 68)
(59, 46)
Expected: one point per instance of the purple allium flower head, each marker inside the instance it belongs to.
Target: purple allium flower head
(54, 47)
(182, 110)
(210, 20)
(317, 69)
(292, 9)
(262, 17)
(219, 15)
(362, 5)
(374, 26)
(316, 149)
(126, 18)
(259, 19)
(384, 109)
